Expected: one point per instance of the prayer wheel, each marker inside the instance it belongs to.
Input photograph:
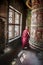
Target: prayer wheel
(36, 30)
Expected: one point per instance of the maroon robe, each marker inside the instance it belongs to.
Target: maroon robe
(25, 38)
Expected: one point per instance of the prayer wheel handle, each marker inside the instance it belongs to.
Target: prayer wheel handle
(28, 4)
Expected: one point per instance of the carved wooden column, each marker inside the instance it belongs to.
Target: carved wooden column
(2, 36)
(36, 32)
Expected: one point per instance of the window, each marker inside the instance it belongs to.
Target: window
(14, 23)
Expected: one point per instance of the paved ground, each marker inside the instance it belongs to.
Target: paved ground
(29, 57)
(22, 57)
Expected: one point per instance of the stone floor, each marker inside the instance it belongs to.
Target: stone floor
(26, 56)
(29, 57)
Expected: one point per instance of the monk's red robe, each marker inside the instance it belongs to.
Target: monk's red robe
(25, 38)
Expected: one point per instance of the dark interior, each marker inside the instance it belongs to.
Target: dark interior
(11, 48)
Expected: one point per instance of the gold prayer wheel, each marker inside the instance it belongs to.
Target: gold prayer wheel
(36, 31)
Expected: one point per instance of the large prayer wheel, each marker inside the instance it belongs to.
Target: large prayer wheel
(36, 31)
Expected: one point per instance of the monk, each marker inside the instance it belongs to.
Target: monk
(25, 37)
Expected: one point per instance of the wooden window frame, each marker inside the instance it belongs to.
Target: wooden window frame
(13, 24)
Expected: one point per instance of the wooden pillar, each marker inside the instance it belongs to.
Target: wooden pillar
(2, 36)
(36, 32)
